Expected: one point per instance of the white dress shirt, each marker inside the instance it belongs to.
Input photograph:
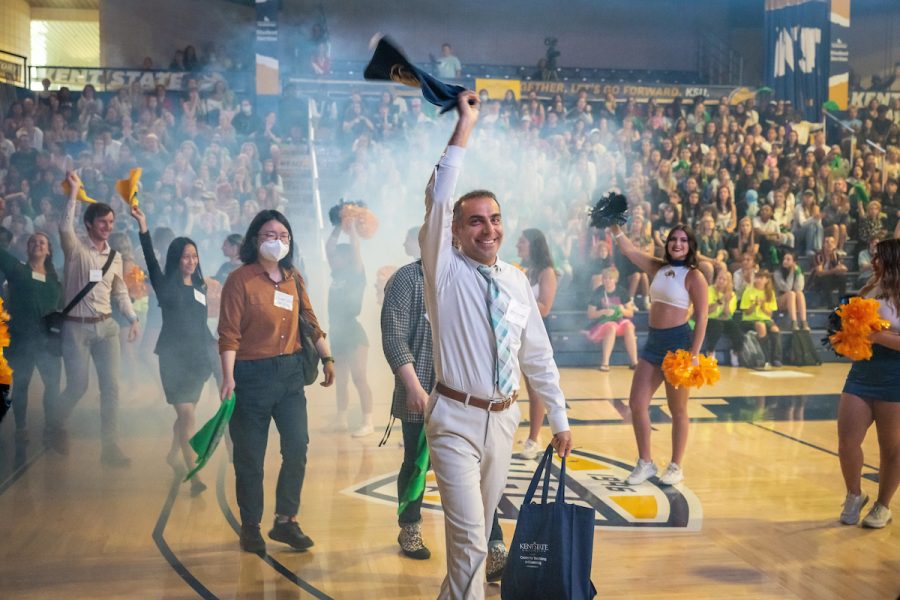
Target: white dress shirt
(456, 298)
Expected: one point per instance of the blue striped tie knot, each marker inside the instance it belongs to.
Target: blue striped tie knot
(498, 303)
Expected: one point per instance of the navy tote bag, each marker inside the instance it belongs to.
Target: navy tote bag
(550, 555)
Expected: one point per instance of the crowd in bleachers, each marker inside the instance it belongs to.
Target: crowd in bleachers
(753, 181)
(748, 179)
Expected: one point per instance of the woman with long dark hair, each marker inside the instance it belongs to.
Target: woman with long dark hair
(34, 291)
(676, 284)
(260, 347)
(535, 255)
(184, 344)
(872, 394)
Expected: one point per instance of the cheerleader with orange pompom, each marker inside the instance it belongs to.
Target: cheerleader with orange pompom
(349, 342)
(870, 335)
(676, 284)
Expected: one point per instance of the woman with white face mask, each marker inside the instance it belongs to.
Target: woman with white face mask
(259, 344)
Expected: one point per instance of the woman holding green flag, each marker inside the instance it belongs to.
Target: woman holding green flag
(184, 341)
(260, 347)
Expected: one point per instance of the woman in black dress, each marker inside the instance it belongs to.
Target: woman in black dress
(184, 341)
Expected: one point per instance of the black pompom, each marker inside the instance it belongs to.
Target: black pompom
(611, 209)
(334, 213)
(834, 322)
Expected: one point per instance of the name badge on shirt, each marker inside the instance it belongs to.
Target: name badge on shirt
(39, 277)
(285, 301)
(517, 313)
(199, 296)
(96, 275)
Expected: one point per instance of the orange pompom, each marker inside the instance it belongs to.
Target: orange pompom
(679, 370)
(859, 319)
(135, 281)
(365, 220)
(5, 370)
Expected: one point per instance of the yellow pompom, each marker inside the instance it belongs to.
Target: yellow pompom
(128, 188)
(679, 370)
(81, 195)
(859, 319)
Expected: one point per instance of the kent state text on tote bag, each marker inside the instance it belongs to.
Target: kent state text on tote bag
(550, 554)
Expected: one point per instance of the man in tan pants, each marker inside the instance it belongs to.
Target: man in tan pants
(487, 332)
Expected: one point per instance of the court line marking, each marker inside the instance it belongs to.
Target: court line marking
(805, 443)
(272, 562)
(17, 474)
(159, 539)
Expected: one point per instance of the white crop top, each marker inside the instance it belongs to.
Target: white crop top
(668, 286)
(885, 308)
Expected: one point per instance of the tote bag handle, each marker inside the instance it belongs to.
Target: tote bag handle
(544, 467)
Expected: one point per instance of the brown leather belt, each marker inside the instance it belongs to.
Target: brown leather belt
(469, 400)
(87, 319)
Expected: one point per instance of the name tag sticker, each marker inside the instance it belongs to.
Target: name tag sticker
(38, 276)
(96, 275)
(517, 313)
(199, 296)
(285, 301)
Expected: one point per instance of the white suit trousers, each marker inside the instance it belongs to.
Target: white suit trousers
(470, 452)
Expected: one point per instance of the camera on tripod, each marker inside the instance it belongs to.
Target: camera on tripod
(552, 52)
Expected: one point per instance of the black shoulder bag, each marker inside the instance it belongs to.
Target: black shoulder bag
(53, 322)
(309, 357)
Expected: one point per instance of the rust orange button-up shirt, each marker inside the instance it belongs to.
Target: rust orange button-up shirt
(249, 321)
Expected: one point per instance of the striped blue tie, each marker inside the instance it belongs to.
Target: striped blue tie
(498, 303)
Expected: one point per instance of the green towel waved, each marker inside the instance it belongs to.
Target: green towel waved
(415, 487)
(207, 437)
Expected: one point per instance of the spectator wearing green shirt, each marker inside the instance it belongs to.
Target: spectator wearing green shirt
(758, 303)
(722, 306)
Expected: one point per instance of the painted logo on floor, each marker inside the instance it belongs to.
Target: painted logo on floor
(592, 480)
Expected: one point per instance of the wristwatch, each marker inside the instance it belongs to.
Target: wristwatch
(327, 359)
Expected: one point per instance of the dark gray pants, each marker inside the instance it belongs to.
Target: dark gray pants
(26, 354)
(265, 390)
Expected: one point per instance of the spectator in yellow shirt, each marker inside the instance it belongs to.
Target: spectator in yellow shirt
(758, 303)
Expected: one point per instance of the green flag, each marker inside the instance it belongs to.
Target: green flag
(415, 487)
(207, 437)
(859, 190)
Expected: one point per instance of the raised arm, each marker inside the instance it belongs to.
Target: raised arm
(67, 237)
(641, 260)
(156, 275)
(435, 237)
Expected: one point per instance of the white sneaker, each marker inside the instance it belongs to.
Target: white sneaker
(530, 450)
(643, 471)
(673, 475)
(363, 431)
(852, 505)
(878, 517)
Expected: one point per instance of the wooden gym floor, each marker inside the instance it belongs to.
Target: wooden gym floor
(757, 516)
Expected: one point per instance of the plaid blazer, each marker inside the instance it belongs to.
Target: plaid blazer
(406, 334)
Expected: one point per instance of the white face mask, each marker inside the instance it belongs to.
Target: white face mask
(274, 249)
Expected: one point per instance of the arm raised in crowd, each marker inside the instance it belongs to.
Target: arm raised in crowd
(156, 275)
(436, 236)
